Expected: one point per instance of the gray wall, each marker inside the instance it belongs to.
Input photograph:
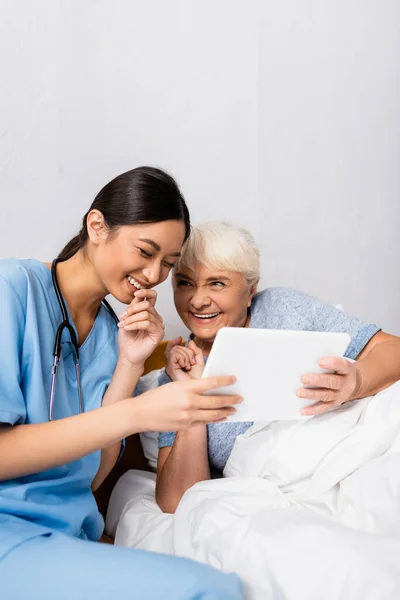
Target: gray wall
(282, 116)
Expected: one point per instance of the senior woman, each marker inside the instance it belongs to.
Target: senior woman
(215, 285)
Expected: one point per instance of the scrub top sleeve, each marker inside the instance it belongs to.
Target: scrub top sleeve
(12, 325)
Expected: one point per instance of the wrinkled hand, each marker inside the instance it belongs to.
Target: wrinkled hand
(141, 328)
(331, 389)
(183, 363)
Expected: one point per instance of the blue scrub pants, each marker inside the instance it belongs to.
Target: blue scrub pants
(60, 567)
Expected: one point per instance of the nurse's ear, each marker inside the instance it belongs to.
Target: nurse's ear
(96, 227)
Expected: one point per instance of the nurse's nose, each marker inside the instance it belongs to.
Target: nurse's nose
(152, 273)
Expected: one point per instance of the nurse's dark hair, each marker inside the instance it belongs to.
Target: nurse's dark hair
(143, 195)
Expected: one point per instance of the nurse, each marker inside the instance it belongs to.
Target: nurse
(61, 435)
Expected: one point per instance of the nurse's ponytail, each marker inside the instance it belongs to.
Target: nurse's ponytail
(143, 195)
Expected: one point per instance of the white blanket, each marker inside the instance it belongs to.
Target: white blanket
(306, 509)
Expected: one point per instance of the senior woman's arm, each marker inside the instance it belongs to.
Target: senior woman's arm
(376, 368)
(379, 364)
(180, 466)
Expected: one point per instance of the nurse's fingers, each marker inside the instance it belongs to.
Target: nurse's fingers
(212, 416)
(142, 316)
(207, 403)
(147, 325)
(135, 308)
(205, 385)
(149, 294)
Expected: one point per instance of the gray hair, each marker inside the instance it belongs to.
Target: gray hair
(222, 246)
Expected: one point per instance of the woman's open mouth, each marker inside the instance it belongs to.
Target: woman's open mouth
(205, 318)
(133, 284)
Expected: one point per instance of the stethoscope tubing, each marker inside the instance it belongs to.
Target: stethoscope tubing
(65, 324)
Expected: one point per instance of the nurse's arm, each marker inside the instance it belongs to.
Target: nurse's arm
(33, 448)
(122, 385)
(37, 447)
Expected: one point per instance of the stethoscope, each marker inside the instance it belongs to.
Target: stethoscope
(57, 344)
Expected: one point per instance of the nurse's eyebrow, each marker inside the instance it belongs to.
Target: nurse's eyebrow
(156, 247)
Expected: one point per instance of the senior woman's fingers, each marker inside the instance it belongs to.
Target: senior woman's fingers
(191, 356)
(318, 394)
(179, 354)
(339, 364)
(183, 361)
(331, 381)
(194, 347)
(319, 408)
(171, 344)
(188, 353)
(197, 353)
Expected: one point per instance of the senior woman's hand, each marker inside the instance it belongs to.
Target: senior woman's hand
(183, 362)
(330, 390)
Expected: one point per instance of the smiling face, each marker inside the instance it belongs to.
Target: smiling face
(207, 300)
(136, 256)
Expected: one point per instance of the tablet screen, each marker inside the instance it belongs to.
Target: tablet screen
(268, 365)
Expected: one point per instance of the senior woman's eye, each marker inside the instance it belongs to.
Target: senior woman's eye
(218, 283)
(184, 283)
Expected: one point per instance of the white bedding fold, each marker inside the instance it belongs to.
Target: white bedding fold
(306, 509)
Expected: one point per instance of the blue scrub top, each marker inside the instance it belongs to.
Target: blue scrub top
(58, 499)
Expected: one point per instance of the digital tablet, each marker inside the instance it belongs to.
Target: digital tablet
(268, 365)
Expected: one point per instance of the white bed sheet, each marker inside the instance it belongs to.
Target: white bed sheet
(306, 509)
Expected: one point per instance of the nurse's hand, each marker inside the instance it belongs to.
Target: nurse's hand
(183, 363)
(141, 328)
(180, 405)
(331, 389)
